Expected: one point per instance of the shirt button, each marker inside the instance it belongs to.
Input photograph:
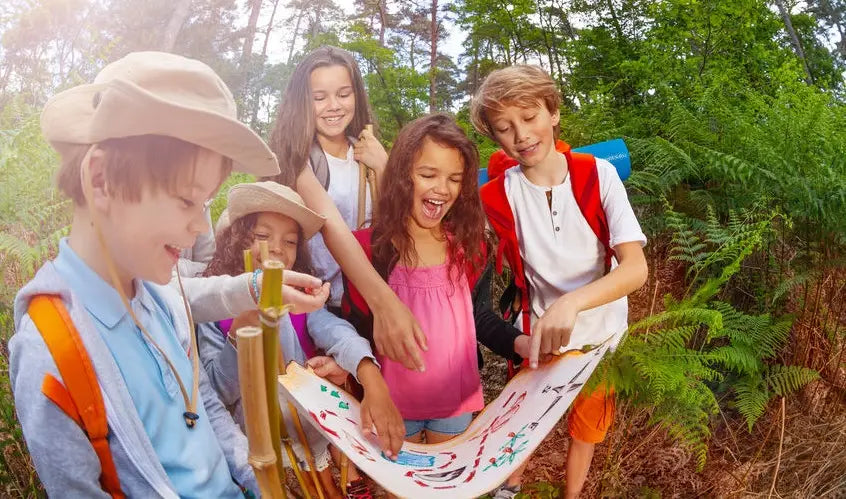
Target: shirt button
(554, 213)
(557, 229)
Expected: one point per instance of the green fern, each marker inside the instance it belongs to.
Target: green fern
(784, 380)
(674, 362)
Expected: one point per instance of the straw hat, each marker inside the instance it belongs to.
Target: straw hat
(271, 196)
(222, 223)
(156, 93)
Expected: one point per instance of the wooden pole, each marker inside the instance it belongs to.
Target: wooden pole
(295, 418)
(263, 252)
(271, 309)
(345, 471)
(362, 187)
(262, 456)
(248, 261)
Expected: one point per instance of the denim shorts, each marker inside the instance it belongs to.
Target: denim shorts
(448, 426)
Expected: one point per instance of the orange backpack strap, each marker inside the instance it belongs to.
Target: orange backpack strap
(80, 396)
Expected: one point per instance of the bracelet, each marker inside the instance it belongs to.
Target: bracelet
(254, 284)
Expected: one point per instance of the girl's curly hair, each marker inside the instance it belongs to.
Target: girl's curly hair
(465, 221)
(228, 256)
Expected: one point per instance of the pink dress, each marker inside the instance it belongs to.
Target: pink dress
(450, 386)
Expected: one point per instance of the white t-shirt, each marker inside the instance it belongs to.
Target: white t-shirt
(560, 251)
(343, 189)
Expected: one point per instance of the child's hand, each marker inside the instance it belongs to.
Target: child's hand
(552, 330)
(397, 334)
(326, 367)
(292, 294)
(369, 151)
(523, 348)
(380, 416)
(308, 299)
(313, 298)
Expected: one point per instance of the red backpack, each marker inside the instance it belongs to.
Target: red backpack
(354, 307)
(584, 179)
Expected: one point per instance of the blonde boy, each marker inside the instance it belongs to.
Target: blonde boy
(572, 294)
(144, 148)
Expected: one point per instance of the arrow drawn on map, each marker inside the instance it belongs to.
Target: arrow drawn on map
(536, 422)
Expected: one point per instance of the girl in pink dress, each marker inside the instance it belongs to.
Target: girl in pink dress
(429, 243)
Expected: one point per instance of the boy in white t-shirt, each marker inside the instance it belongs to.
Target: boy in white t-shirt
(560, 217)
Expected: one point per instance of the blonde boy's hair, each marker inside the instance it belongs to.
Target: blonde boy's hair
(520, 85)
(133, 164)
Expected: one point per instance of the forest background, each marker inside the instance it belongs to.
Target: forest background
(732, 380)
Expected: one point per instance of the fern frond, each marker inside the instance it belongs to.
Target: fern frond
(751, 398)
(18, 251)
(784, 380)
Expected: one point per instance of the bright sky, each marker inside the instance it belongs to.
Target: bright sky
(280, 38)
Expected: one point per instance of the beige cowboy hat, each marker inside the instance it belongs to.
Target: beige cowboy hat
(271, 196)
(222, 223)
(156, 93)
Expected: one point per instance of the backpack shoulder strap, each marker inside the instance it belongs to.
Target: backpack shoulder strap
(79, 397)
(353, 302)
(319, 164)
(584, 179)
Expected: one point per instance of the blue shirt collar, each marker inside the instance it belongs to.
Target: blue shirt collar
(98, 296)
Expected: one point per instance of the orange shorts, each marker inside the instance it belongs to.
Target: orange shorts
(591, 415)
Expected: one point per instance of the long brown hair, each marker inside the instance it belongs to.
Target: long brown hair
(465, 221)
(228, 256)
(295, 130)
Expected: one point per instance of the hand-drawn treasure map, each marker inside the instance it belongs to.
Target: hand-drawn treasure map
(501, 437)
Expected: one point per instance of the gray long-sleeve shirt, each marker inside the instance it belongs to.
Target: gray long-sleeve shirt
(336, 337)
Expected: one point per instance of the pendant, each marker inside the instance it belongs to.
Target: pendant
(190, 418)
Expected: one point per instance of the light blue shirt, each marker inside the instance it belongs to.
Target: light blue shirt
(191, 457)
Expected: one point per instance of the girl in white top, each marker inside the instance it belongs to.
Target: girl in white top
(322, 122)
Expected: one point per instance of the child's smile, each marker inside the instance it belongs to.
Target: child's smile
(282, 234)
(526, 134)
(433, 208)
(437, 175)
(146, 236)
(333, 98)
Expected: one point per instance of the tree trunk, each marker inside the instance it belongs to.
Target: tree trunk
(474, 80)
(433, 59)
(250, 34)
(315, 28)
(621, 37)
(174, 25)
(797, 45)
(383, 19)
(257, 91)
(411, 53)
(269, 29)
(294, 38)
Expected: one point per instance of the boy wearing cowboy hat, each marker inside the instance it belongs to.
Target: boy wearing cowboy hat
(144, 148)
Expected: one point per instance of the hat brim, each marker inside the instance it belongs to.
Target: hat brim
(245, 199)
(92, 113)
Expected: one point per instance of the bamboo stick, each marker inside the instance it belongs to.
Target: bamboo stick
(298, 426)
(269, 304)
(248, 261)
(262, 457)
(295, 417)
(271, 309)
(345, 471)
(263, 252)
(362, 187)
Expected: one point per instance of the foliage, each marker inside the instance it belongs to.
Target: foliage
(678, 362)
(737, 152)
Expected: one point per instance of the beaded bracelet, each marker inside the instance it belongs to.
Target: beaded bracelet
(254, 284)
